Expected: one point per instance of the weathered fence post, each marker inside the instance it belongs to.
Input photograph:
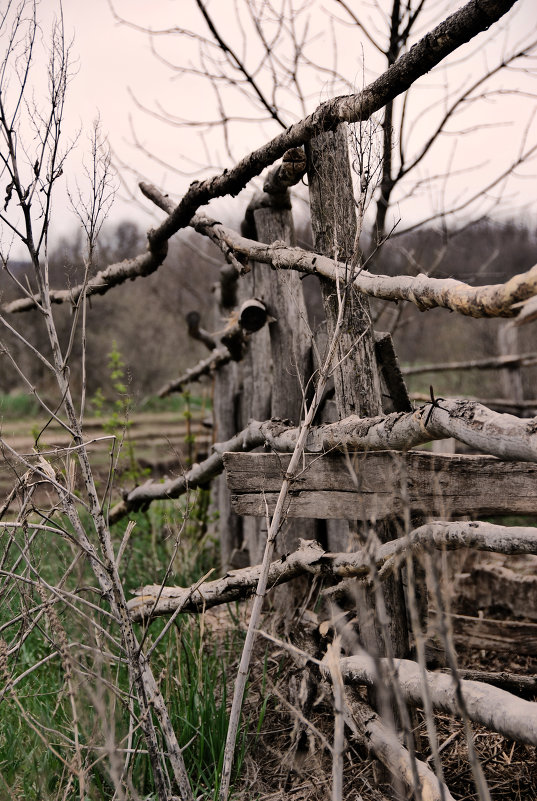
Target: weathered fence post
(356, 376)
(510, 376)
(225, 402)
(283, 362)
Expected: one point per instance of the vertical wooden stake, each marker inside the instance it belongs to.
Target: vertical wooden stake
(356, 376)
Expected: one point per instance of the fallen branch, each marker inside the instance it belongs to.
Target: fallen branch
(218, 358)
(494, 363)
(493, 300)
(502, 435)
(385, 744)
(154, 600)
(489, 706)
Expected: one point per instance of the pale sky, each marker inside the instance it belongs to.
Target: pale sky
(116, 64)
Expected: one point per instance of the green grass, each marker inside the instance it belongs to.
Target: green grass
(22, 405)
(193, 663)
(13, 407)
(196, 690)
(175, 403)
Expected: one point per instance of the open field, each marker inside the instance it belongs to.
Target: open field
(159, 442)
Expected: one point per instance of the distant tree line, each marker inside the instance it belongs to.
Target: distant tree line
(146, 319)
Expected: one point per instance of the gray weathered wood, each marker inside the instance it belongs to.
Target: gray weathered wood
(254, 392)
(356, 376)
(333, 219)
(225, 426)
(310, 558)
(391, 374)
(511, 375)
(489, 706)
(367, 486)
(290, 351)
(282, 293)
(281, 364)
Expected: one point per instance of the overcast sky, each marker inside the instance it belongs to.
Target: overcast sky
(115, 64)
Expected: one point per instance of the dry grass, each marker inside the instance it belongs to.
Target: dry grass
(290, 761)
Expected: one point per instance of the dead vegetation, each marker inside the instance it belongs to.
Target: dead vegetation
(291, 756)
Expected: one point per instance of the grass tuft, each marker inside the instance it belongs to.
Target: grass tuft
(195, 662)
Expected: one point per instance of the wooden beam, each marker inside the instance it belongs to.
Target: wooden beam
(367, 486)
(311, 558)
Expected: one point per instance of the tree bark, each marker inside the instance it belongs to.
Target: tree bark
(289, 336)
(255, 390)
(154, 600)
(493, 300)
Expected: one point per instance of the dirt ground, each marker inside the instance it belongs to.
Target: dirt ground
(160, 444)
(290, 759)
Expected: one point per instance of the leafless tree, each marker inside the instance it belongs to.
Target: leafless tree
(33, 167)
(281, 56)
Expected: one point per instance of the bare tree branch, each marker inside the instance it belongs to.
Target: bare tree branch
(427, 53)
(198, 475)
(218, 358)
(494, 363)
(385, 744)
(153, 600)
(502, 435)
(489, 706)
(494, 300)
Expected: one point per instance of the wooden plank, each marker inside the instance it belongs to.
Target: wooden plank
(368, 486)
